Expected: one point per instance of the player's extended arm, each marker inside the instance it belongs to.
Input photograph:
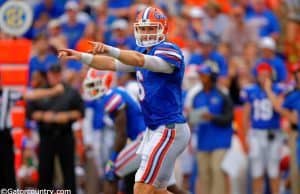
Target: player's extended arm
(133, 58)
(36, 94)
(125, 60)
(128, 60)
(96, 61)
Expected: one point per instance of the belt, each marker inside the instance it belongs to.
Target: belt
(168, 126)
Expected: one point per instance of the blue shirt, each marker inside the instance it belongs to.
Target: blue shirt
(161, 93)
(73, 33)
(35, 64)
(118, 98)
(263, 116)
(74, 65)
(128, 42)
(212, 136)
(55, 11)
(216, 60)
(116, 4)
(2, 2)
(292, 103)
(267, 20)
(279, 68)
(98, 113)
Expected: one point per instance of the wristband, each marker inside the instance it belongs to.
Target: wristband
(86, 58)
(113, 51)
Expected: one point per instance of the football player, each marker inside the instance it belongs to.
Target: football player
(129, 123)
(159, 66)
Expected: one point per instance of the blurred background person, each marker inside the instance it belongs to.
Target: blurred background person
(74, 11)
(39, 26)
(120, 36)
(213, 116)
(72, 28)
(289, 108)
(54, 117)
(237, 26)
(56, 39)
(8, 179)
(53, 8)
(264, 134)
(103, 20)
(216, 21)
(43, 58)
(196, 15)
(209, 55)
(8, 97)
(264, 18)
(268, 55)
(240, 77)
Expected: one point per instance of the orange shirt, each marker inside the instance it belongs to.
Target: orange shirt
(272, 4)
(225, 5)
(195, 2)
(83, 45)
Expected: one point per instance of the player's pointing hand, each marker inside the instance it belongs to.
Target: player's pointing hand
(98, 47)
(69, 54)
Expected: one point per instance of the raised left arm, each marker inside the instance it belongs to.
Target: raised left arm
(39, 93)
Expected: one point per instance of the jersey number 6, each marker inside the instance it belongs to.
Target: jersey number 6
(140, 79)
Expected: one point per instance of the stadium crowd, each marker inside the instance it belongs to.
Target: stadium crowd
(241, 88)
